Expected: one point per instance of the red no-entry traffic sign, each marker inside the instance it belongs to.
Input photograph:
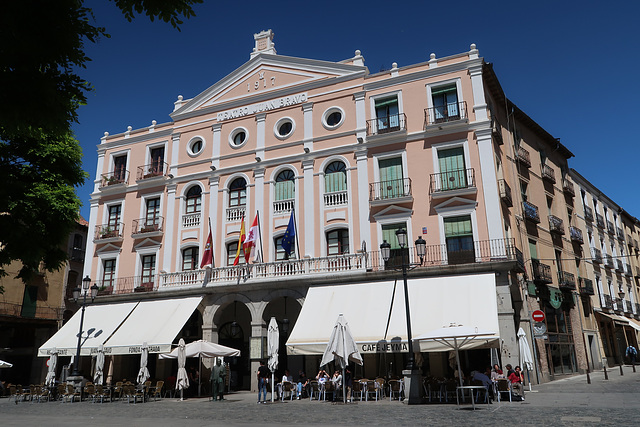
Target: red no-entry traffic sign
(538, 316)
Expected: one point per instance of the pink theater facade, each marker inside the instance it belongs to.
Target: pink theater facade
(356, 156)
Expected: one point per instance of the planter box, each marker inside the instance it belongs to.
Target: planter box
(107, 290)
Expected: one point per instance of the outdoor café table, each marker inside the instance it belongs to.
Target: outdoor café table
(472, 389)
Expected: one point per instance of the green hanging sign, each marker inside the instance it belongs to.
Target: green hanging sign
(555, 297)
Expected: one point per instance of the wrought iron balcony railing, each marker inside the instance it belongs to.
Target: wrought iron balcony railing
(523, 157)
(452, 180)
(636, 309)
(606, 301)
(627, 307)
(391, 123)
(588, 214)
(620, 233)
(608, 261)
(567, 187)
(109, 231)
(566, 280)
(610, 228)
(390, 190)
(147, 225)
(114, 178)
(586, 286)
(541, 272)
(576, 234)
(600, 221)
(619, 266)
(437, 256)
(556, 225)
(627, 269)
(153, 170)
(617, 304)
(596, 255)
(549, 174)
(30, 312)
(531, 212)
(505, 193)
(451, 112)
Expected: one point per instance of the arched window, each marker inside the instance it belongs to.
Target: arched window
(190, 258)
(338, 242)
(285, 185)
(232, 250)
(280, 253)
(194, 200)
(335, 177)
(238, 193)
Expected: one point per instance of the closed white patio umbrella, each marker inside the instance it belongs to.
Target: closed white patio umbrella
(4, 364)
(143, 373)
(526, 359)
(273, 342)
(50, 380)
(98, 376)
(342, 348)
(182, 380)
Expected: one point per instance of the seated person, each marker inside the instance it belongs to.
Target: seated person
(496, 373)
(303, 383)
(517, 380)
(322, 376)
(337, 384)
(285, 378)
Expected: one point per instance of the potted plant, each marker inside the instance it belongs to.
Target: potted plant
(105, 290)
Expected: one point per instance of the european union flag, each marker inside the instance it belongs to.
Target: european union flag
(289, 236)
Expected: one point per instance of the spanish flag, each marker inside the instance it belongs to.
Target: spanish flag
(240, 242)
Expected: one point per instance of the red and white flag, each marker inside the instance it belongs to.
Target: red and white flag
(250, 242)
(207, 255)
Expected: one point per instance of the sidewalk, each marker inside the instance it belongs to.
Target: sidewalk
(569, 401)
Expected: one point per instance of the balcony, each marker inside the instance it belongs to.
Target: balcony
(505, 193)
(394, 190)
(283, 207)
(588, 214)
(620, 234)
(496, 132)
(108, 233)
(382, 125)
(235, 214)
(599, 221)
(637, 275)
(629, 241)
(610, 228)
(608, 261)
(606, 301)
(29, 312)
(153, 170)
(596, 255)
(548, 173)
(191, 220)
(451, 112)
(436, 258)
(576, 234)
(586, 286)
(128, 285)
(619, 266)
(627, 307)
(336, 198)
(566, 280)
(617, 304)
(520, 267)
(147, 227)
(114, 178)
(531, 212)
(452, 181)
(541, 272)
(556, 225)
(567, 187)
(522, 156)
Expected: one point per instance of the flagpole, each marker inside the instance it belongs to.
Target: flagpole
(295, 228)
(260, 235)
(213, 255)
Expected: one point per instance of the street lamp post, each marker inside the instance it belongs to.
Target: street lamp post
(76, 295)
(411, 374)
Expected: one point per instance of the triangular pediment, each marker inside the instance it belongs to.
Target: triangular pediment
(393, 211)
(455, 203)
(109, 247)
(265, 78)
(147, 243)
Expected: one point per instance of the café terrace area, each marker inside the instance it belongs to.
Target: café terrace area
(481, 254)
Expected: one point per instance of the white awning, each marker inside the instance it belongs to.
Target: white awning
(106, 318)
(376, 313)
(155, 322)
(124, 327)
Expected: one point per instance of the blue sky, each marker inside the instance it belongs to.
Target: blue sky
(572, 67)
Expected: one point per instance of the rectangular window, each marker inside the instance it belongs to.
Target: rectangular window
(190, 259)
(338, 242)
(108, 272)
(459, 239)
(238, 197)
(153, 212)
(445, 103)
(387, 114)
(29, 301)
(285, 190)
(280, 255)
(232, 250)
(391, 178)
(148, 270)
(533, 250)
(157, 161)
(120, 168)
(453, 173)
(114, 216)
(397, 253)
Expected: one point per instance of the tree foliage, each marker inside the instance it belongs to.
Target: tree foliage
(41, 51)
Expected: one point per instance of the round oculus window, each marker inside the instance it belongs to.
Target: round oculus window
(195, 146)
(238, 137)
(333, 118)
(284, 128)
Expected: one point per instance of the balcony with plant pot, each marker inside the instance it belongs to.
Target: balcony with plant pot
(114, 180)
(147, 227)
(108, 233)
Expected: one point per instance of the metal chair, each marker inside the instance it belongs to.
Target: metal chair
(314, 389)
(503, 386)
(370, 388)
(394, 388)
(356, 389)
(287, 387)
(380, 382)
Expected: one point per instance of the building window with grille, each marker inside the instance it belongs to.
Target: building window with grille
(280, 253)
(387, 114)
(115, 212)
(108, 272)
(152, 218)
(338, 242)
(148, 270)
(459, 239)
(285, 185)
(190, 258)
(453, 173)
(193, 200)
(232, 250)
(238, 193)
(397, 253)
(445, 103)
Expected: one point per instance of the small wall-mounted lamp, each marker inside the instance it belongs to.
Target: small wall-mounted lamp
(306, 150)
(360, 140)
(258, 159)
(213, 168)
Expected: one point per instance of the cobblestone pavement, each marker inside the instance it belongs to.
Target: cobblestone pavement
(567, 402)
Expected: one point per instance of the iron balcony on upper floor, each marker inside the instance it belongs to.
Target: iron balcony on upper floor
(147, 227)
(541, 272)
(436, 257)
(157, 169)
(606, 301)
(556, 225)
(450, 183)
(523, 157)
(576, 234)
(566, 280)
(109, 233)
(387, 124)
(548, 173)
(505, 193)
(567, 187)
(600, 221)
(29, 311)
(531, 212)
(596, 255)
(610, 228)
(586, 286)
(588, 214)
(114, 179)
(391, 191)
(454, 112)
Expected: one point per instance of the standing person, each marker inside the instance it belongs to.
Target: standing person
(263, 375)
(218, 373)
(337, 384)
(348, 382)
(517, 381)
(632, 353)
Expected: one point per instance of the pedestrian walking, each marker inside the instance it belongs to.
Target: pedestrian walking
(632, 353)
(263, 376)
